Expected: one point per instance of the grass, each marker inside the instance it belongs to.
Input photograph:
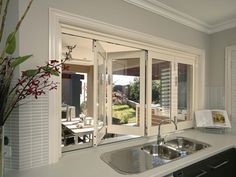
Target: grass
(125, 113)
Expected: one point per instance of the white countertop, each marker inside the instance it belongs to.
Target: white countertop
(87, 162)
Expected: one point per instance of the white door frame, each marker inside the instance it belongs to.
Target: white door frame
(228, 79)
(116, 34)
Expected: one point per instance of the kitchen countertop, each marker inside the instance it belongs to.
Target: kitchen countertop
(87, 162)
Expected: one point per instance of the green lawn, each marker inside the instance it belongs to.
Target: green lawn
(123, 112)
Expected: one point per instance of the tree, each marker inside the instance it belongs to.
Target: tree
(156, 91)
(134, 90)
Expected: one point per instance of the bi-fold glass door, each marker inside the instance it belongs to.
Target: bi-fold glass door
(134, 91)
(99, 102)
(186, 89)
(126, 92)
(131, 91)
(119, 92)
(160, 91)
(170, 91)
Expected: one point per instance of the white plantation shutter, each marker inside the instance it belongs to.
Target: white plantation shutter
(174, 89)
(230, 81)
(165, 87)
(233, 81)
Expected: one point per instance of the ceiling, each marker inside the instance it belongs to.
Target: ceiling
(208, 16)
(84, 46)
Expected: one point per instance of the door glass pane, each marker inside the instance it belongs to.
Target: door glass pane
(74, 110)
(184, 91)
(77, 123)
(101, 91)
(125, 91)
(161, 90)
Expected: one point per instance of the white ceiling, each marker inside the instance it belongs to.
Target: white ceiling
(204, 15)
(83, 49)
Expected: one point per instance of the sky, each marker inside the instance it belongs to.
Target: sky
(122, 80)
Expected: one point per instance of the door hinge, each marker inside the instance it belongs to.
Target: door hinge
(108, 78)
(94, 45)
(176, 81)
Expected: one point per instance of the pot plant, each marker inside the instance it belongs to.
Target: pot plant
(33, 82)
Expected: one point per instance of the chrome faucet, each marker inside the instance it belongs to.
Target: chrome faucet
(160, 140)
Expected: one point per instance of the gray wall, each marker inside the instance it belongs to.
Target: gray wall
(218, 42)
(34, 34)
(33, 38)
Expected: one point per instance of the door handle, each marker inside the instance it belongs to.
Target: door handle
(203, 172)
(219, 165)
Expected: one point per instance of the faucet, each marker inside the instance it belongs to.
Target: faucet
(160, 140)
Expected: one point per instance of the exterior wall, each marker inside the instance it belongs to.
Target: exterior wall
(33, 39)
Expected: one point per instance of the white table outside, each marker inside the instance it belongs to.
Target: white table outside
(84, 132)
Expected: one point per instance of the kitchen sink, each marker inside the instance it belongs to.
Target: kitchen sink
(164, 152)
(186, 145)
(138, 159)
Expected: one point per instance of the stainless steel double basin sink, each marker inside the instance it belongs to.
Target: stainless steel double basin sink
(138, 159)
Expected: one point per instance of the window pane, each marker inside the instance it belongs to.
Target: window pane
(161, 90)
(184, 91)
(125, 91)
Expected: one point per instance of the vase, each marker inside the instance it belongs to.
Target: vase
(1, 151)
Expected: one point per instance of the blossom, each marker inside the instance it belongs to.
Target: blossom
(32, 82)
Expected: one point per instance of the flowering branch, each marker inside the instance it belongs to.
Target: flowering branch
(32, 82)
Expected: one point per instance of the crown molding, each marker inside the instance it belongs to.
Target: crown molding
(223, 26)
(180, 17)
